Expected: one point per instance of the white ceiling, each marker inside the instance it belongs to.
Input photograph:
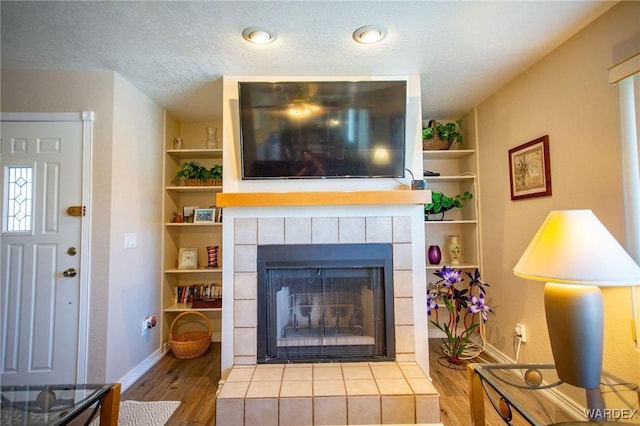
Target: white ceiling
(175, 52)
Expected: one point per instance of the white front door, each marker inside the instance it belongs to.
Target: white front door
(41, 252)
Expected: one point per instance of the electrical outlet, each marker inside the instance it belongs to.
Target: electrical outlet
(148, 323)
(521, 330)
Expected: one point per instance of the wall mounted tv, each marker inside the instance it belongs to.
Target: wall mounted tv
(323, 129)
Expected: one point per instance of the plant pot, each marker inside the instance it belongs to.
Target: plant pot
(203, 182)
(435, 144)
(434, 217)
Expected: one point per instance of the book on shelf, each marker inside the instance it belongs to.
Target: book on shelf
(199, 295)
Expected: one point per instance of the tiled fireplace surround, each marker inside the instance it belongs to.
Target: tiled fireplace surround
(326, 393)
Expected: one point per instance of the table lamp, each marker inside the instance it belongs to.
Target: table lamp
(575, 255)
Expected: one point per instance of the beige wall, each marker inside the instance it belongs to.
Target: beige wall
(127, 133)
(566, 96)
(136, 199)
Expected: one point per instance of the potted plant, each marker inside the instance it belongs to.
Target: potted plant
(439, 136)
(441, 203)
(195, 174)
(216, 172)
(466, 308)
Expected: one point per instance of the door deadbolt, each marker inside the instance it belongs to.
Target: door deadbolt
(69, 273)
(77, 211)
(72, 251)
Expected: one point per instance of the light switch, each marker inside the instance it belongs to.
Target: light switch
(130, 241)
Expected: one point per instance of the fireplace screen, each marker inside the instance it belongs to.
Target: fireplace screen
(325, 303)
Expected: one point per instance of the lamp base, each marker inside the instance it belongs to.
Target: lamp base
(575, 323)
(574, 320)
(595, 403)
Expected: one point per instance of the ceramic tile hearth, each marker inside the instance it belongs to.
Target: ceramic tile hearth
(386, 392)
(363, 393)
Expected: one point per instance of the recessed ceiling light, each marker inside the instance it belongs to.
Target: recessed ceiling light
(258, 35)
(369, 34)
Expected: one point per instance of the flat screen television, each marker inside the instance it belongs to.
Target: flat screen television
(322, 129)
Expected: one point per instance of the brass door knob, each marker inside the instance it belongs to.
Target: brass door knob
(69, 273)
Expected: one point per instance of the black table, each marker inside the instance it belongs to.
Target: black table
(58, 404)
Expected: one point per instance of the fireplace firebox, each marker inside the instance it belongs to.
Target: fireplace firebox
(325, 303)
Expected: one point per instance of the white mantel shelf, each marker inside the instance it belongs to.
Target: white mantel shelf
(322, 198)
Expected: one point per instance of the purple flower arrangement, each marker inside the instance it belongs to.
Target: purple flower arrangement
(466, 306)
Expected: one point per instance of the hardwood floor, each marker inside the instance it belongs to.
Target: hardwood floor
(194, 382)
(451, 383)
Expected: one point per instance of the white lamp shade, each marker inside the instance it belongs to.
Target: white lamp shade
(574, 247)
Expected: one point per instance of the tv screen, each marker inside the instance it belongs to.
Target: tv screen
(327, 129)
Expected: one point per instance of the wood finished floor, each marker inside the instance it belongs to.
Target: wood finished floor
(194, 382)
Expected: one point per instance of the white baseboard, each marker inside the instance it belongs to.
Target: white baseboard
(137, 372)
(499, 356)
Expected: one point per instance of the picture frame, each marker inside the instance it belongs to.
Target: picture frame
(530, 169)
(187, 213)
(188, 258)
(204, 215)
(218, 216)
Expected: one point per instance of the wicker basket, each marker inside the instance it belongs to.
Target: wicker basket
(202, 182)
(435, 144)
(190, 344)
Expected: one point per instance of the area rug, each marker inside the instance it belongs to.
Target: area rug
(144, 413)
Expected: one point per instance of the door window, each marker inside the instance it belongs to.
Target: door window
(18, 193)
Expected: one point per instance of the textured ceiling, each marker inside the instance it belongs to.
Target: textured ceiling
(176, 52)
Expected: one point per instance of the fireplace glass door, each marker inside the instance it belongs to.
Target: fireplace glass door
(319, 313)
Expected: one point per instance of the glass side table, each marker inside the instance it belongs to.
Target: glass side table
(532, 394)
(58, 404)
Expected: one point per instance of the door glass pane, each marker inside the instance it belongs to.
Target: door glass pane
(18, 200)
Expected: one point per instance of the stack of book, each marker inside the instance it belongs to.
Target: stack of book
(200, 295)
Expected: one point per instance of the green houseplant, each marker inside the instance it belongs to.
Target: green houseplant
(441, 203)
(195, 174)
(440, 136)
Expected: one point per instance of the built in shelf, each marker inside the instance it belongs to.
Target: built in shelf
(460, 266)
(195, 153)
(452, 154)
(194, 188)
(193, 271)
(452, 222)
(323, 198)
(452, 178)
(182, 307)
(194, 224)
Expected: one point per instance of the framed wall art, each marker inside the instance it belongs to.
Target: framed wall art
(204, 215)
(530, 169)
